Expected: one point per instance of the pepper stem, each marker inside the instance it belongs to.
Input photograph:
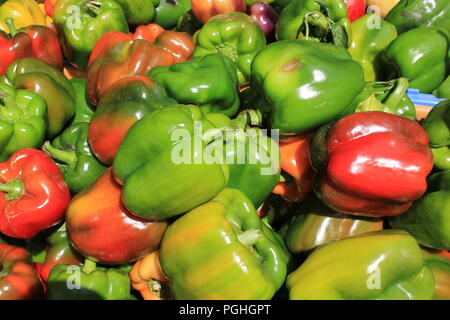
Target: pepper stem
(248, 117)
(14, 189)
(249, 237)
(68, 157)
(89, 266)
(393, 99)
(12, 28)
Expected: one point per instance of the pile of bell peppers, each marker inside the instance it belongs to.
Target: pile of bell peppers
(224, 149)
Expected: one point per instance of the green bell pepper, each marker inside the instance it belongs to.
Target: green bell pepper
(163, 154)
(388, 97)
(443, 91)
(428, 220)
(168, 12)
(81, 23)
(296, 76)
(22, 120)
(84, 110)
(48, 82)
(421, 56)
(439, 264)
(369, 42)
(89, 282)
(324, 21)
(138, 12)
(382, 265)
(411, 14)
(234, 35)
(437, 124)
(225, 250)
(80, 168)
(314, 225)
(209, 82)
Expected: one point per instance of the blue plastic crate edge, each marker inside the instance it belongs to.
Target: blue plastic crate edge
(422, 99)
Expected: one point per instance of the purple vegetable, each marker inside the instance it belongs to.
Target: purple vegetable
(265, 15)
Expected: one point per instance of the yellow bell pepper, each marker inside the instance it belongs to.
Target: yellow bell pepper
(383, 6)
(23, 12)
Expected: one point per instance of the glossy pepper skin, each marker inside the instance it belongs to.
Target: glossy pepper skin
(147, 277)
(204, 10)
(388, 96)
(34, 195)
(324, 21)
(168, 12)
(73, 154)
(314, 225)
(137, 12)
(421, 56)
(381, 265)
(216, 90)
(234, 35)
(371, 164)
(59, 250)
(81, 23)
(22, 120)
(168, 150)
(411, 14)
(428, 220)
(34, 41)
(443, 91)
(437, 125)
(48, 82)
(368, 43)
(18, 278)
(296, 76)
(23, 12)
(114, 117)
(439, 264)
(95, 283)
(117, 55)
(91, 220)
(225, 233)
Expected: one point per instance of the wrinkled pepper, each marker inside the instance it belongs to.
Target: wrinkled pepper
(234, 35)
(437, 125)
(98, 212)
(371, 163)
(324, 21)
(420, 55)
(315, 224)
(428, 220)
(87, 282)
(411, 14)
(296, 76)
(71, 150)
(173, 147)
(117, 55)
(227, 232)
(368, 43)
(439, 264)
(81, 23)
(33, 194)
(215, 91)
(22, 120)
(48, 82)
(380, 265)
(24, 13)
(113, 117)
(35, 41)
(389, 96)
(18, 278)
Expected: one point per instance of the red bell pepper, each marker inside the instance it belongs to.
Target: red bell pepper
(34, 41)
(49, 6)
(101, 228)
(117, 55)
(206, 9)
(18, 278)
(356, 9)
(33, 194)
(294, 160)
(371, 163)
